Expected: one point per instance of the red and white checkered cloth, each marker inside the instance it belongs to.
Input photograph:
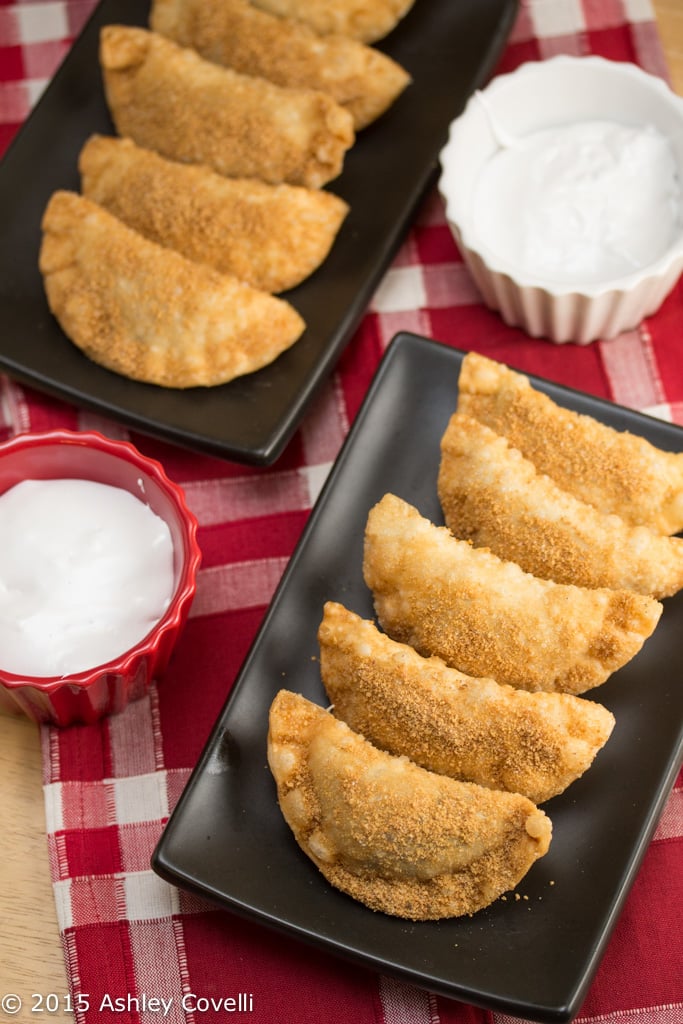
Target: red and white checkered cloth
(109, 787)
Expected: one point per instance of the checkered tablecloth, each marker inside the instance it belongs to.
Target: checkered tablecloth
(110, 787)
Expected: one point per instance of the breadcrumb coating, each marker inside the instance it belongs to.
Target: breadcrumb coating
(167, 98)
(271, 236)
(615, 471)
(490, 494)
(238, 35)
(476, 730)
(400, 839)
(487, 617)
(367, 20)
(148, 313)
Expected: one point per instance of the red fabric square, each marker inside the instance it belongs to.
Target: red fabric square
(49, 413)
(435, 244)
(92, 851)
(11, 65)
(358, 364)
(101, 952)
(227, 955)
(615, 43)
(80, 752)
(665, 325)
(199, 679)
(648, 933)
(516, 53)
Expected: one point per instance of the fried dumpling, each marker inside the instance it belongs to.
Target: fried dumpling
(487, 617)
(615, 471)
(290, 53)
(490, 494)
(367, 20)
(472, 729)
(398, 838)
(271, 236)
(167, 98)
(148, 313)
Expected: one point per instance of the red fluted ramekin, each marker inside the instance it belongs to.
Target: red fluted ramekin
(103, 689)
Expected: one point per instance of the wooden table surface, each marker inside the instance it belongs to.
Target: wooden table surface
(31, 958)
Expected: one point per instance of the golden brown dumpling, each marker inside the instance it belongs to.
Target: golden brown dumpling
(271, 236)
(487, 617)
(167, 98)
(368, 20)
(490, 494)
(148, 313)
(238, 35)
(613, 470)
(472, 729)
(395, 837)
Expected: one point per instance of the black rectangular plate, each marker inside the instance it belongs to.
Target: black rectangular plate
(448, 46)
(227, 839)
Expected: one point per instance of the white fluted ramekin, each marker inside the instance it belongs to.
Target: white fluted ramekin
(546, 94)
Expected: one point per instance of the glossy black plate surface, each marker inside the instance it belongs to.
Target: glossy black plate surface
(448, 46)
(227, 840)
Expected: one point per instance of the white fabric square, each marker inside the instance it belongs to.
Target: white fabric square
(315, 478)
(149, 897)
(35, 87)
(62, 891)
(38, 23)
(140, 798)
(557, 17)
(54, 808)
(401, 289)
(661, 411)
(638, 10)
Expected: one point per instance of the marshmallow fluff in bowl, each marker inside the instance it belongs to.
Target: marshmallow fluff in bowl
(586, 202)
(562, 184)
(98, 572)
(86, 571)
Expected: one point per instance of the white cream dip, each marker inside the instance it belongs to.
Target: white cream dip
(86, 570)
(579, 204)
